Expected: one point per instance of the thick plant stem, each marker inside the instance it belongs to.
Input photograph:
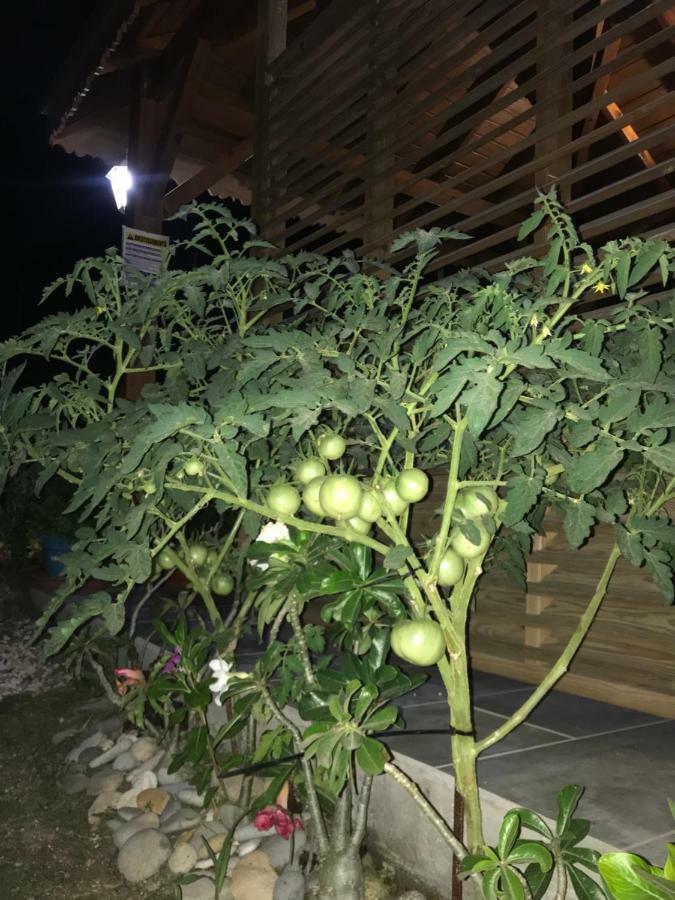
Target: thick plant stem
(312, 797)
(296, 625)
(562, 664)
(361, 818)
(450, 497)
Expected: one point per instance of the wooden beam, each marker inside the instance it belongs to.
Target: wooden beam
(205, 178)
(181, 46)
(630, 134)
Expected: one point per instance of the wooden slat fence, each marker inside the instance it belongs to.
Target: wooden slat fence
(387, 115)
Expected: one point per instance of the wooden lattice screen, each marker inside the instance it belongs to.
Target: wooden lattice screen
(388, 115)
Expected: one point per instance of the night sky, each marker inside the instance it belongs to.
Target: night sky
(57, 208)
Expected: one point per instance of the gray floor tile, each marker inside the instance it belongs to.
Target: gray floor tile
(435, 749)
(655, 850)
(576, 716)
(626, 774)
(483, 684)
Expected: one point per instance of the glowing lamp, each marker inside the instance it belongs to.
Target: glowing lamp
(121, 182)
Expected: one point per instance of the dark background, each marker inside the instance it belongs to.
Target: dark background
(56, 208)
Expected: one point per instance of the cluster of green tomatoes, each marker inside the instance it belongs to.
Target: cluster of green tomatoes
(202, 560)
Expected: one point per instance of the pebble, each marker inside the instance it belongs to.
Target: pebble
(88, 754)
(144, 748)
(165, 778)
(248, 832)
(183, 859)
(125, 762)
(127, 813)
(111, 726)
(186, 818)
(143, 855)
(74, 783)
(153, 799)
(120, 746)
(279, 850)
(290, 885)
(248, 847)
(191, 797)
(146, 780)
(411, 895)
(149, 764)
(253, 878)
(106, 800)
(172, 807)
(62, 736)
(229, 814)
(114, 824)
(104, 781)
(204, 864)
(203, 889)
(173, 788)
(215, 842)
(141, 823)
(92, 740)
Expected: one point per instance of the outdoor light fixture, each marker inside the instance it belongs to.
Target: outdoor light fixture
(121, 182)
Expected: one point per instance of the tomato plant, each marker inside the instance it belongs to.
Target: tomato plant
(340, 496)
(412, 485)
(284, 499)
(331, 446)
(418, 641)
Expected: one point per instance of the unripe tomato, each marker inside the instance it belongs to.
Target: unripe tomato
(418, 641)
(309, 469)
(197, 554)
(340, 496)
(222, 583)
(465, 548)
(393, 499)
(476, 502)
(451, 568)
(358, 524)
(194, 466)
(331, 445)
(284, 499)
(166, 559)
(412, 485)
(211, 558)
(310, 496)
(149, 487)
(369, 509)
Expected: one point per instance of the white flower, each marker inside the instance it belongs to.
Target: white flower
(221, 678)
(271, 533)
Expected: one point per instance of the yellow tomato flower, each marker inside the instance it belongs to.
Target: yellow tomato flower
(601, 287)
(586, 269)
(100, 310)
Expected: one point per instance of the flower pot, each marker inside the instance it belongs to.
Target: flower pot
(53, 548)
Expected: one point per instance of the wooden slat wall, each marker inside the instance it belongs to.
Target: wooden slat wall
(393, 114)
(629, 656)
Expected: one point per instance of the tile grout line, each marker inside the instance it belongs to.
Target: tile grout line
(584, 737)
(481, 697)
(655, 837)
(529, 724)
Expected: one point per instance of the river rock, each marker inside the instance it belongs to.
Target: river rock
(106, 780)
(172, 807)
(253, 878)
(106, 800)
(290, 885)
(125, 762)
(172, 787)
(279, 850)
(203, 889)
(92, 740)
(248, 832)
(144, 781)
(144, 748)
(150, 764)
(248, 847)
(153, 799)
(143, 855)
(183, 859)
(215, 842)
(191, 797)
(74, 783)
(120, 746)
(140, 823)
(88, 754)
(111, 726)
(62, 736)
(127, 813)
(229, 814)
(186, 818)
(411, 895)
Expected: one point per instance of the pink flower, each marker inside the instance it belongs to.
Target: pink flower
(126, 678)
(273, 816)
(172, 662)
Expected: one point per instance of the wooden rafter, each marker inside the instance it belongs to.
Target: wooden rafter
(208, 176)
(630, 134)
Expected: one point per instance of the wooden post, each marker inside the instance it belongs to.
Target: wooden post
(271, 42)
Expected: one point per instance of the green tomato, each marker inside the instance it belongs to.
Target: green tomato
(358, 524)
(393, 499)
(340, 496)
(465, 548)
(197, 554)
(418, 641)
(284, 499)
(149, 487)
(166, 559)
(194, 466)
(222, 583)
(476, 502)
(310, 496)
(211, 558)
(331, 445)
(451, 568)
(370, 509)
(412, 485)
(309, 469)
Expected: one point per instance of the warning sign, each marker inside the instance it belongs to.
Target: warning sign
(144, 251)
